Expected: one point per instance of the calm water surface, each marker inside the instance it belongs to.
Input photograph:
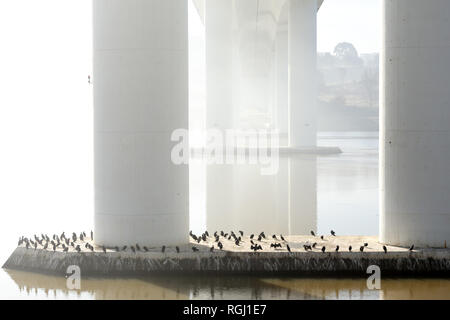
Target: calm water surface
(337, 192)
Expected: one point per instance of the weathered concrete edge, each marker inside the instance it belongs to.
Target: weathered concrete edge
(426, 263)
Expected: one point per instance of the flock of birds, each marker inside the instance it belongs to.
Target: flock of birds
(80, 242)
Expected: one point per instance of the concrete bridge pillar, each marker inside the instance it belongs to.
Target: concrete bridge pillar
(140, 97)
(302, 55)
(415, 123)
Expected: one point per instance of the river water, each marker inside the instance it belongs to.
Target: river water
(338, 192)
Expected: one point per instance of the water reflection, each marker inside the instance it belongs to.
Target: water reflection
(238, 197)
(37, 286)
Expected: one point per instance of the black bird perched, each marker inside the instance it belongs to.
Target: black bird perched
(252, 236)
(366, 244)
(194, 249)
(54, 247)
(215, 234)
(314, 245)
(237, 242)
(78, 248)
(321, 237)
(212, 249)
(312, 233)
(288, 248)
(46, 246)
(206, 233)
(350, 248)
(385, 249)
(241, 232)
(412, 248)
(333, 233)
(163, 249)
(66, 249)
(361, 249)
(145, 249)
(337, 248)
(263, 235)
(259, 238)
(323, 249)
(104, 249)
(251, 241)
(220, 245)
(274, 237)
(178, 249)
(282, 238)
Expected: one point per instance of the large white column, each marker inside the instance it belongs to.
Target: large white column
(282, 101)
(302, 35)
(219, 63)
(415, 123)
(140, 97)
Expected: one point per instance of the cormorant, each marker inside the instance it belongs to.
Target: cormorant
(385, 249)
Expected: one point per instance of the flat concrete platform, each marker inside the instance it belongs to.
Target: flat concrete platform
(241, 259)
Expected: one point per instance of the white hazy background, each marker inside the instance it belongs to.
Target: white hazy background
(46, 154)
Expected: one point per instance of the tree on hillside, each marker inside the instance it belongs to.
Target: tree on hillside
(347, 54)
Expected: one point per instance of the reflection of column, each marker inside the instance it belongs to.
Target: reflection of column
(281, 203)
(302, 194)
(302, 73)
(282, 85)
(140, 97)
(415, 126)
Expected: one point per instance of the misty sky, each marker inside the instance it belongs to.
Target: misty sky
(355, 21)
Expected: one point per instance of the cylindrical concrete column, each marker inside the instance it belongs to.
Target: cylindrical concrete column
(140, 97)
(415, 123)
(219, 63)
(302, 36)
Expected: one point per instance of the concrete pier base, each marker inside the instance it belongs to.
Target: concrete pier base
(241, 260)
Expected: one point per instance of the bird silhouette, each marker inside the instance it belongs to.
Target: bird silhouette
(333, 233)
(361, 249)
(411, 248)
(312, 233)
(288, 248)
(323, 249)
(178, 249)
(350, 248)
(385, 249)
(163, 249)
(337, 248)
